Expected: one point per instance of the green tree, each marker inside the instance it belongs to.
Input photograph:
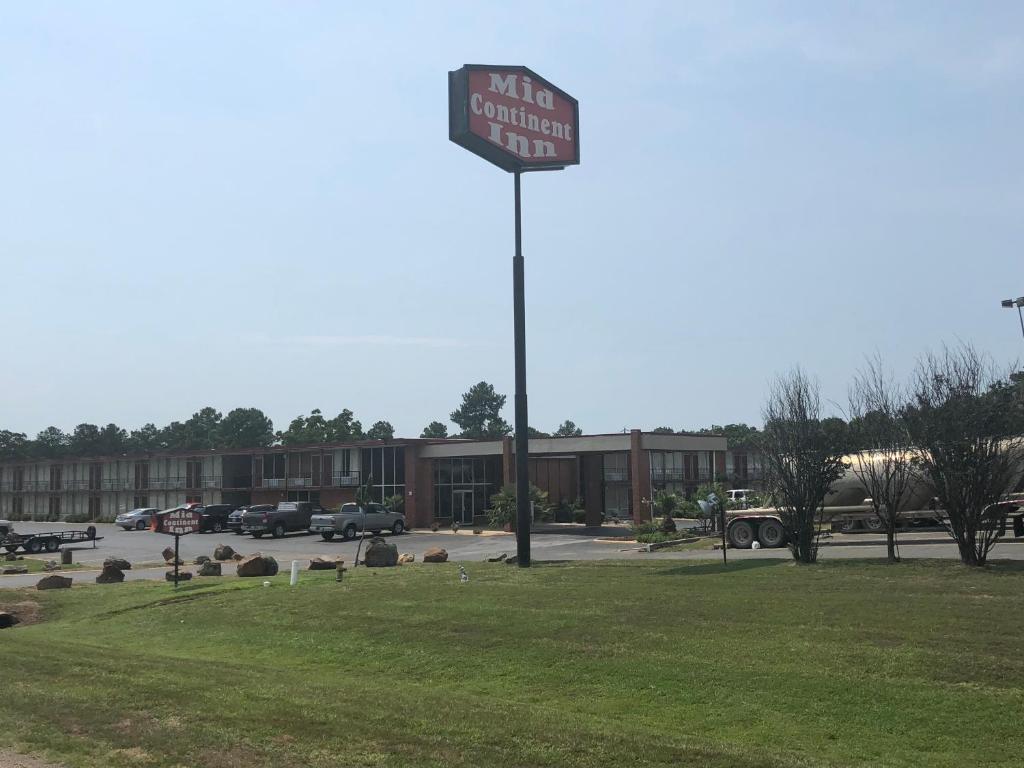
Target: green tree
(568, 429)
(173, 437)
(14, 445)
(479, 416)
(51, 443)
(245, 428)
(381, 430)
(344, 428)
(663, 431)
(201, 430)
(84, 440)
(145, 438)
(535, 433)
(435, 429)
(736, 435)
(113, 440)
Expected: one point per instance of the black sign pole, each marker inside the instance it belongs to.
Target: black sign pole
(522, 429)
(177, 538)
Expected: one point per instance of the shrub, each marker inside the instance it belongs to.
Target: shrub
(394, 503)
(668, 525)
(639, 529)
(503, 506)
(657, 537)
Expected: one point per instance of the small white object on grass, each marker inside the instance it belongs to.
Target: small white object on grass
(266, 583)
(463, 576)
(756, 545)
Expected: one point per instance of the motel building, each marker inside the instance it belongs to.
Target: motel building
(441, 481)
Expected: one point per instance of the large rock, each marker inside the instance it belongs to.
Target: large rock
(110, 575)
(54, 582)
(380, 554)
(7, 620)
(209, 568)
(201, 559)
(168, 554)
(257, 565)
(405, 557)
(118, 562)
(17, 570)
(224, 552)
(435, 555)
(182, 575)
(324, 563)
(10, 557)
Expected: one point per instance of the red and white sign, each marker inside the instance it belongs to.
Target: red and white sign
(178, 522)
(513, 117)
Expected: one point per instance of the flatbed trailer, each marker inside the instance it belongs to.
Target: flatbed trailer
(50, 541)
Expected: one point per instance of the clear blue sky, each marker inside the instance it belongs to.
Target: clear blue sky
(256, 203)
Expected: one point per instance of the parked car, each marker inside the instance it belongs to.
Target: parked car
(285, 517)
(235, 518)
(214, 517)
(349, 520)
(136, 519)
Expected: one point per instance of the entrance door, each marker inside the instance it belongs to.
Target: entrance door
(462, 507)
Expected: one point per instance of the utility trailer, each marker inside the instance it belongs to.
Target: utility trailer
(50, 541)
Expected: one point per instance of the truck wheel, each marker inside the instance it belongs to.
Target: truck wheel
(349, 533)
(218, 526)
(257, 534)
(35, 546)
(278, 532)
(771, 534)
(847, 525)
(874, 523)
(327, 535)
(397, 528)
(52, 545)
(741, 534)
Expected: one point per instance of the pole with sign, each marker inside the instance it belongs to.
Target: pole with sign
(177, 523)
(514, 118)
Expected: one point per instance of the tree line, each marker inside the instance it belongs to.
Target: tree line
(957, 427)
(478, 416)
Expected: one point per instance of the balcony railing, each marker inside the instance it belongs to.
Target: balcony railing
(616, 475)
(675, 475)
(345, 479)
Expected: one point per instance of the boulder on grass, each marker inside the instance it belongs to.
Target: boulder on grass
(168, 554)
(118, 562)
(7, 620)
(201, 559)
(257, 565)
(110, 575)
(17, 570)
(324, 563)
(209, 568)
(237, 556)
(10, 556)
(406, 557)
(224, 552)
(435, 555)
(54, 582)
(182, 575)
(380, 554)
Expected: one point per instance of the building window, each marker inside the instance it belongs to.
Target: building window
(17, 507)
(95, 477)
(139, 502)
(193, 473)
(56, 476)
(463, 486)
(616, 467)
(94, 507)
(18, 479)
(690, 467)
(194, 499)
(141, 475)
(54, 508)
(386, 471)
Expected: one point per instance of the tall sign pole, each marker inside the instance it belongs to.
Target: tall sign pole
(516, 119)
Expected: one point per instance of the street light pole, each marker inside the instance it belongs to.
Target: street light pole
(1018, 303)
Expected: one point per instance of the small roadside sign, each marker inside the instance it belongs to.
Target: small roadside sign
(177, 523)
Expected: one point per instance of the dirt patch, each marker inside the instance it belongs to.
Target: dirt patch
(14, 760)
(27, 611)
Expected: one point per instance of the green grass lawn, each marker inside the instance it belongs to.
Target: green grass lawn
(35, 565)
(586, 664)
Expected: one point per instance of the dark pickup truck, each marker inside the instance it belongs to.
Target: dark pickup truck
(287, 516)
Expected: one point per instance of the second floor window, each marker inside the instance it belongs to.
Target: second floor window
(56, 476)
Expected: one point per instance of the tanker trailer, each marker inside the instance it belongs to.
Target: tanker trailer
(847, 508)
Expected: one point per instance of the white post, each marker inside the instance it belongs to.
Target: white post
(295, 573)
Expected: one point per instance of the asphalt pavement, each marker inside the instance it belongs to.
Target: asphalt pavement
(143, 548)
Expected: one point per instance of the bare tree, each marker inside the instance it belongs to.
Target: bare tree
(964, 418)
(886, 465)
(802, 457)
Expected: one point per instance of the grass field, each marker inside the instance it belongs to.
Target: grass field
(35, 565)
(587, 664)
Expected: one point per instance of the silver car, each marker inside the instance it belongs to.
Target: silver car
(136, 519)
(350, 519)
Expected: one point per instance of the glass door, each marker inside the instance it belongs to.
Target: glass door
(462, 507)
